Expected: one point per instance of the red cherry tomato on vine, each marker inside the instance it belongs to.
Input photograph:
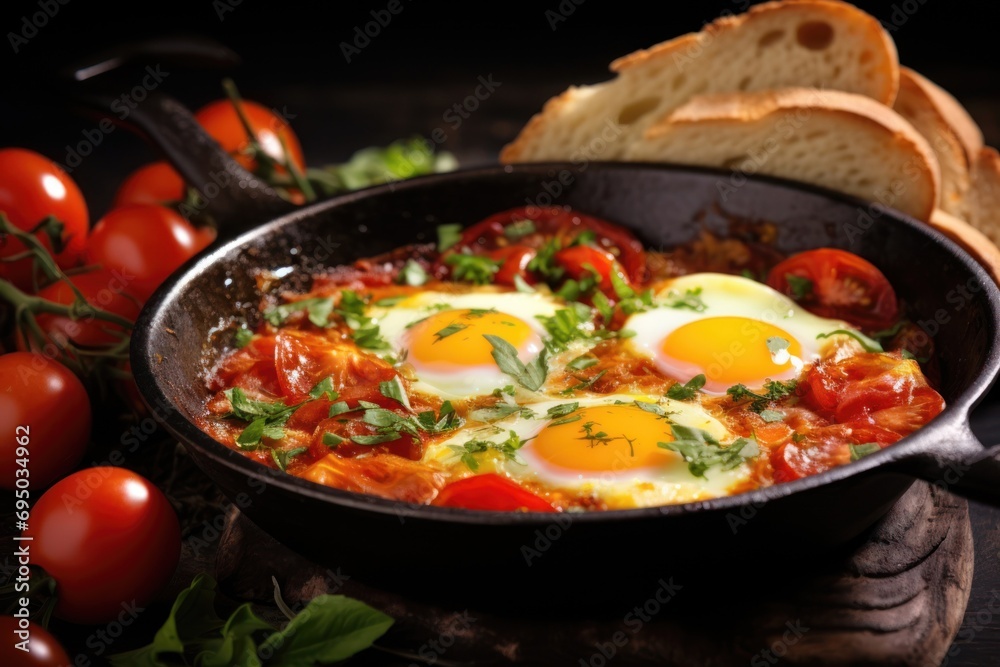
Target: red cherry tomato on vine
(145, 244)
(102, 289)
(838, 284)
(223, 124)
(43, 649)
(109, 538)
(156, 183)
(493, 493)
(33, 187)
(45, 408)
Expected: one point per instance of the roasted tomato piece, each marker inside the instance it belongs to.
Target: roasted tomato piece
(304, 359)
(384, 476)
(507, 227)
(581, 261)
(515, 260)
(493, 493)
(838, 284)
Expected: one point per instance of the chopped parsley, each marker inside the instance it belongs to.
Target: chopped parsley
(582, 362)
(395, 390)
(282, 457)
(562, 410)
(702, 451)
(242, 338)
(801, 287)
(773, 391)
(449, 330)
(516, 231)
(413, 274)
(690, 300)
(544, 262)
(317, 309)
(332, 440)
(866, 345)
(530, 376)
(521, 285)
(265, 419)
(324, 389)
(688, 390)
(476, 269)
(501, 411)
(448, 236)
(583, 383)
(365, 332)
(508, 448)
(861, 451)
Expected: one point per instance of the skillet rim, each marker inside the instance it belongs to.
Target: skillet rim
(953, 419)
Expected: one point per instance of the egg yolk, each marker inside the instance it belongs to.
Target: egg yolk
(456, 338)
(605, 438)
(728, 350)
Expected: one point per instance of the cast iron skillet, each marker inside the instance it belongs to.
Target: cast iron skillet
(188, 324)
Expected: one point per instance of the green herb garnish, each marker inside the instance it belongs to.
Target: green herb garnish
(530, 376)
(702, 451)
(688, 390)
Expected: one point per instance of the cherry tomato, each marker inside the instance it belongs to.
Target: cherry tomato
(109, 538)
(145, 244)
(581, 261)
(43, 649)
(223, 124)
(564, 225)
(33, 187)
(491, 492)
(515, 263)
(840, 285)
(45, 407)
(102, 289)
(155, 183)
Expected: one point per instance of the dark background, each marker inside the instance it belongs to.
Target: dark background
(292, 57)
(429, 57)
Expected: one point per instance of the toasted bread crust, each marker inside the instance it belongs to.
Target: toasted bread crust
(882, 54)
(950, 111)
(748, 107)
(724, 24)
(969, 239)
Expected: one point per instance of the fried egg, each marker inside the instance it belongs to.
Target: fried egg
(442, 336)
(606, 447)
(732, 329)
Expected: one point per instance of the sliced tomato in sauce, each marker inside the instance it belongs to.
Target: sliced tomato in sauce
(838, 284)
(493, 493)
(304, 359)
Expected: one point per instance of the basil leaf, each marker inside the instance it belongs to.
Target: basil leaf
(331, 628)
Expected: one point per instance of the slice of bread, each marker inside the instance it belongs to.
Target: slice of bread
(970, 239)
(983, 201)
(948, 128)
(809, 43)
(832, 139)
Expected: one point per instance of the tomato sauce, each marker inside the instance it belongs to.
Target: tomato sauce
(309, 361)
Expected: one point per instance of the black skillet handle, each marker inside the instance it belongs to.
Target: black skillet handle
(958, 462)
(236, 198)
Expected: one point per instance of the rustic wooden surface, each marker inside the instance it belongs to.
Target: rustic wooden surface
(898, 599)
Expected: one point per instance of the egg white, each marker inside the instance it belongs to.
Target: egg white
(728, 295)
(673, 483)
